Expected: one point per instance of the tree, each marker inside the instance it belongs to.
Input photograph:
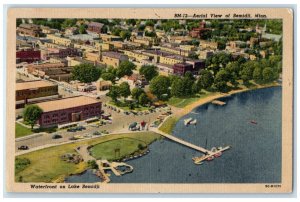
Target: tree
(114, 93)
(131, 22)
(177, 87)
(257, 74)
(268, 74)
(221, 86)
(82, 29)
(143, 99)
(69, 22)
(136, 92)
(159, 86)
(149, 71)
(125, 34)
(221, 80)
(31, 114)
(247, 70)
(193, 55)
(125, 68)
(124, 89)
(107, 76)
(86, 73)
(206, 79)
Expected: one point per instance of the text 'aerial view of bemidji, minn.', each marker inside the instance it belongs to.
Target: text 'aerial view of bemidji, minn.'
(148, 100)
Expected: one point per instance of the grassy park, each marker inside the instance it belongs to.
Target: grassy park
(106, 150)
(22, 131)
(46, 164)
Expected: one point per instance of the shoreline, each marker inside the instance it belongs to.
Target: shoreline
(189, 108)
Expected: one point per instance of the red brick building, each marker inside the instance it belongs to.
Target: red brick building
(68, 110)
(182, 68)
(188, 66)
(28, 55)
(95, 27)
(199, 31)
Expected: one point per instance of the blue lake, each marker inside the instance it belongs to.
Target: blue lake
(255, 156)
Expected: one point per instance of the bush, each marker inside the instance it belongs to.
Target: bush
(21, 164)
(92, 164)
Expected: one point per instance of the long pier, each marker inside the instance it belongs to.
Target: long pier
(180, 141)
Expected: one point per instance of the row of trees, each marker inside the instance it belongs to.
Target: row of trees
(222, 74)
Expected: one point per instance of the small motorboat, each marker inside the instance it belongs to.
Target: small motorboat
(253, 122)
(210, 158)
(193, 122)
(218, 154)
(187, 121)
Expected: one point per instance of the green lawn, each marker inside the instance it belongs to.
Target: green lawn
(106, 150)
(22, 131)
(168, 125)
(181, 102)
(46, 165)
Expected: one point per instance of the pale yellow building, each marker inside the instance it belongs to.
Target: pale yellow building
(171, 59)
(208, 44)
(108, 38)
(137, 56)
(113, 59)
(104, 46)
(59, 40)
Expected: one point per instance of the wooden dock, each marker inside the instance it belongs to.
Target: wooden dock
(218, 102)
(198, 160)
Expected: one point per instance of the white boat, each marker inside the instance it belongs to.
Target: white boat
(193, 122)
(187, 121)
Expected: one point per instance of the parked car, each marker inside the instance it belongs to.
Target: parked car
(56, 136)
(23, 147)
(96, 133)
(72, 138)
(80, 128)
(71, 130)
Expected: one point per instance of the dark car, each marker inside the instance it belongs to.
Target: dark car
(56, 136)
(80, 128)
(23, 147)
(72, 138)
(96, 133)
(71, 130)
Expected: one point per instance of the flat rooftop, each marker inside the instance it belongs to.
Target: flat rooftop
(33, 84)
(66, 103)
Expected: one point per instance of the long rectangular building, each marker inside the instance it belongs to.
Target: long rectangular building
(68, 110)
(35, 89)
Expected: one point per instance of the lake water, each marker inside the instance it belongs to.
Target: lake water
(255, 156)
(88, 177)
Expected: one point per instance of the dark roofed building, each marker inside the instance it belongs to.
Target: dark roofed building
(181, 68)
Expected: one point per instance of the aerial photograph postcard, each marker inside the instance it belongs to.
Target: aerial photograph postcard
(149, 100)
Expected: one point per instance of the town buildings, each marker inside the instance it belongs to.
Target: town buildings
(29, 30)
